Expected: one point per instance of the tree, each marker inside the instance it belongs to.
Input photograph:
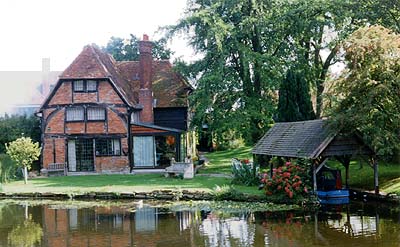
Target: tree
(128, 49)
(24, 152)
(13, 127)
(248, 46)
(27, 234)
(294, 98)
(366, 97)
(235, 79)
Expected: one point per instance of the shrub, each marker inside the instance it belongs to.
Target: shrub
(245, 172)
(8, 170)
(226, 192)
(290, 180)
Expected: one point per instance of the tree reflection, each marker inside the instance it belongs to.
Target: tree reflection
(27, 234)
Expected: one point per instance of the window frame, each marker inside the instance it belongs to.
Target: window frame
(96, 120)
(71, 108)
(85, 86)
(74, 85)
(108, 141)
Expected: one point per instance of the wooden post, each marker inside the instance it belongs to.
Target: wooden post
(271, 172)
(314, 171)
(346, 165)
(376, 182)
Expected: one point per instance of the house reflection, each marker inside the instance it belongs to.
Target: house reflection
(151, 226)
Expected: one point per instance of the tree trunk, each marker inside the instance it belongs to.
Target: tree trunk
(25, 175)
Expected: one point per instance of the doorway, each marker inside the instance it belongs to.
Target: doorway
(80, 155)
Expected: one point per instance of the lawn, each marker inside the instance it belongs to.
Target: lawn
(220, 162)
(114, 183)
(363, 178)
(120, 183)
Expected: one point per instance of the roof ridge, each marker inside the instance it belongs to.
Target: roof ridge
(100, 60)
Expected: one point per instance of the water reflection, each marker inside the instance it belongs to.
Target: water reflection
(54, 225)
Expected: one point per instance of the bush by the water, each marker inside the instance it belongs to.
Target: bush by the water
(245, 172)
(8, 170)
(290, 180)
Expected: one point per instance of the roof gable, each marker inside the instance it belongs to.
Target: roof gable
(295, 139)
(309, 139)
(169, 88)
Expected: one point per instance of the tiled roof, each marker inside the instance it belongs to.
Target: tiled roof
(92, 63)
(169, 88)
(306, 139)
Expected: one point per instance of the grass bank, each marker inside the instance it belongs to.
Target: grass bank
(361, 176)
(220, 161)
(120, 183)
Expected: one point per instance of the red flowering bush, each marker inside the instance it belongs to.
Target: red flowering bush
(290, 180)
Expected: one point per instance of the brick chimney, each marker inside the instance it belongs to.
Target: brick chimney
(145, 92)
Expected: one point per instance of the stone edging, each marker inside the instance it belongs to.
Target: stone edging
(157, 194)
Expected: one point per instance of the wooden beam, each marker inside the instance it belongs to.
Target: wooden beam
(317, 165)
(345, 160)
(376, 181)
(271, 172)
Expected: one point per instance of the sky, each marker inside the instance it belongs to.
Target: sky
(59, 29)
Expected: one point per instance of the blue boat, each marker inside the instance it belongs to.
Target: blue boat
(329, 185)
(333, 193)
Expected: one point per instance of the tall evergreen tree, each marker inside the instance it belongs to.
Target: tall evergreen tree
(294, 98)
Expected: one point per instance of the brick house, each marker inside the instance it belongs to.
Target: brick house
(109, 116)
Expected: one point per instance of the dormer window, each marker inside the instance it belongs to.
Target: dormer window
(79, 86)
(82, 86)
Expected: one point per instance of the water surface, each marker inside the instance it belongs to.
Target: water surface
(62, 224)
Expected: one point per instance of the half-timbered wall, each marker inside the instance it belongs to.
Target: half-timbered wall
(58, 130)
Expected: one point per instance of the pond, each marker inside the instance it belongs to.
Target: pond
(66, 223)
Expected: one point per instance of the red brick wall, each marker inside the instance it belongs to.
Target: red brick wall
(55, 124)
(146, 99)
(85, 97)
(60, 150)
(115, 123)
(47, 152)
(74, 127)
(53, 147)
(96, 127)
(63, 94)
(47, 112)
(114, 163)
(107, 94)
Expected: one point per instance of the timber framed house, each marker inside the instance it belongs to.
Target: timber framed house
(106, 116)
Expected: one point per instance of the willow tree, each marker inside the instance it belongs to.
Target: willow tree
(367, 94)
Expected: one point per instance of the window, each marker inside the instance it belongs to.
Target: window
(108, 147)
(79, 86)
(91, 86)
(96, 114)
(75, 114)
(135, 117)
(85, 86)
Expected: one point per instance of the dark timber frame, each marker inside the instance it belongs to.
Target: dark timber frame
(317, 141)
